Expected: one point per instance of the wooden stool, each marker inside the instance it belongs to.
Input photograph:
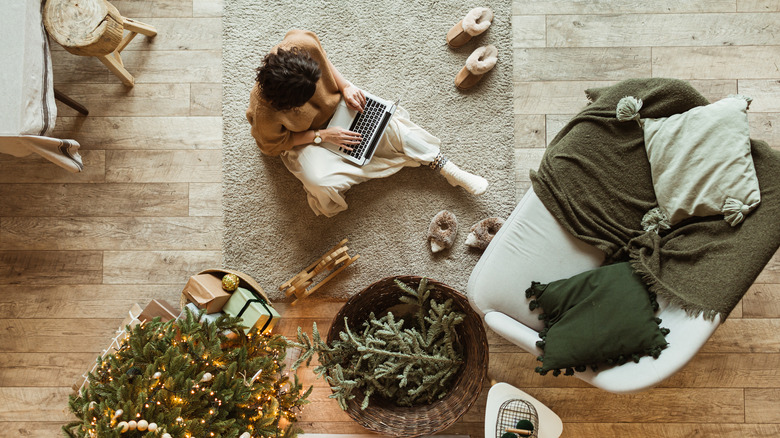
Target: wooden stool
(94, 28)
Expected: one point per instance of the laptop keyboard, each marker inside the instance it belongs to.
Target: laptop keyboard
(365, 124)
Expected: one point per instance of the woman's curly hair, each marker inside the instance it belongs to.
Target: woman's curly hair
(288, 78)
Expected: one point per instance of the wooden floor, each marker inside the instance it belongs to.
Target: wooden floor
(77, 250)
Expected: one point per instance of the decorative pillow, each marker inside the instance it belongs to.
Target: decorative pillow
(605, 315)
(700, 162)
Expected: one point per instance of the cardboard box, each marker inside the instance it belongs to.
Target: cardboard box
(205, 291)
(161, 308)
(253, 309)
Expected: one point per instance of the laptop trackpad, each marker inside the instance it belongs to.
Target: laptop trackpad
(343, 116)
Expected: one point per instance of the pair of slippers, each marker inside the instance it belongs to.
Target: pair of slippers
(444, 228)
(483, 59)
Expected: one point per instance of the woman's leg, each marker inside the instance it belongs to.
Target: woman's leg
(405, 137)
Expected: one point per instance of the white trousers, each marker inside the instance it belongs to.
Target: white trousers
(326, 177)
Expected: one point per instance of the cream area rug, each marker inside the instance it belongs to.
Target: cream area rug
(394, 49)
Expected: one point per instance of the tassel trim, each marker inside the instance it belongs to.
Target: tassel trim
(656, 220)
(536, 290)
(734, 211)
(628, 109)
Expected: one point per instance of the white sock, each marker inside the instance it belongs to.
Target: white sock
(474, 184)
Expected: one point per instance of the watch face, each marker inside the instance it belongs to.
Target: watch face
(318, 140)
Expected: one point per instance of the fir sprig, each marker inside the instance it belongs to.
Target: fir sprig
(408, 363)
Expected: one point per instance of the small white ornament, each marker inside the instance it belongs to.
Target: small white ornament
(132, 424)
(157, 375)
(118, 413)
(206, 377)
(125, 427)
(166, 435)
(142, 425)
(245, 435)
(152, 427)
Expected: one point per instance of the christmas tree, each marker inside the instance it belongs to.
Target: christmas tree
(184, 378)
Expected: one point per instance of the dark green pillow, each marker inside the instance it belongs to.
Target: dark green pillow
(601, 316)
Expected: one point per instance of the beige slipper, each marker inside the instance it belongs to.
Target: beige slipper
(474, 23)
(478, 63)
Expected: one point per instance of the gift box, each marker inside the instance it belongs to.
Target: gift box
(253, 309)
(161, 308)
(205, 291)
(192, 308)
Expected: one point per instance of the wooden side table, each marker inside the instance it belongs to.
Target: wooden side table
(94, 28)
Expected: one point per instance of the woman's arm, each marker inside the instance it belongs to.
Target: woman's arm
(336, 135)
(353, 96)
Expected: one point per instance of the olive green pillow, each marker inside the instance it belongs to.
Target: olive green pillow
(602, 316)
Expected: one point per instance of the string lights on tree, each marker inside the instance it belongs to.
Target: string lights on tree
(184, 379)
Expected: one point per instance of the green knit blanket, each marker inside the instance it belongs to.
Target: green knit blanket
(595, 179)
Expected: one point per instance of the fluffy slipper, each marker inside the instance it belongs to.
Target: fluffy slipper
(478, 63)
(474, 23)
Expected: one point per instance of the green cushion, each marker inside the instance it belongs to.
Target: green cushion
(601, 316)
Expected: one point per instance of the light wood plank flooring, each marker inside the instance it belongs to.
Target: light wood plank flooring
(77, 250)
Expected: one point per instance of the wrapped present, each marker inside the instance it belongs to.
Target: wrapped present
(253, 309)
(192, 308)
(205, 291)
(161, 308)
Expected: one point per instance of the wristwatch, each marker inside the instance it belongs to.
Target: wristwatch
(317, 138)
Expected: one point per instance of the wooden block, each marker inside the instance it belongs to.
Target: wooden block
(36, 169)
(95, 301)
(667, 430)
(58, 336)
(726, 370)
(762, 405)
(525, 161)
(114, 99)
(554, 97)
(758, 5)
(170, 66)
(762, 301)
(140, 133)
(43, 369)
(530, 131)
(93, 199)
(618, 6)
(658, 30)
(743, 62)
(614, 63)
(181, 34)
(50, 267)
(154, 8)
(206, 199)
(528, 31)
(765, 95)
(201, 166)
(663, 405)
(207, 8)
(766, 127)
(111, 233)
(156, 267)
(771, 272)
(41, 404)
(745, 336)
(206, 99)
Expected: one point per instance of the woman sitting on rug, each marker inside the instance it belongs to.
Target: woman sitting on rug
(296, 93)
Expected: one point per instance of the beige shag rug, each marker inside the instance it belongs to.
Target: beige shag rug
(395, 49)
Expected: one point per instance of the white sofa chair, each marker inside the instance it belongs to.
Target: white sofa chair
(533, 246)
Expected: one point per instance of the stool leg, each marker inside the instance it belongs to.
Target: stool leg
(138, 27)
(114, 63)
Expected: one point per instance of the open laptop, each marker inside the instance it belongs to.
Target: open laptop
(371, 123)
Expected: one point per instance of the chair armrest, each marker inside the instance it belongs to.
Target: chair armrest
(515, 332)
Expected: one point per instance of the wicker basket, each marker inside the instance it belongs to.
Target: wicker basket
(385, 417)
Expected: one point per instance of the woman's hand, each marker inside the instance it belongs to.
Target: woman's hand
(354, 97)
(340, 136)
